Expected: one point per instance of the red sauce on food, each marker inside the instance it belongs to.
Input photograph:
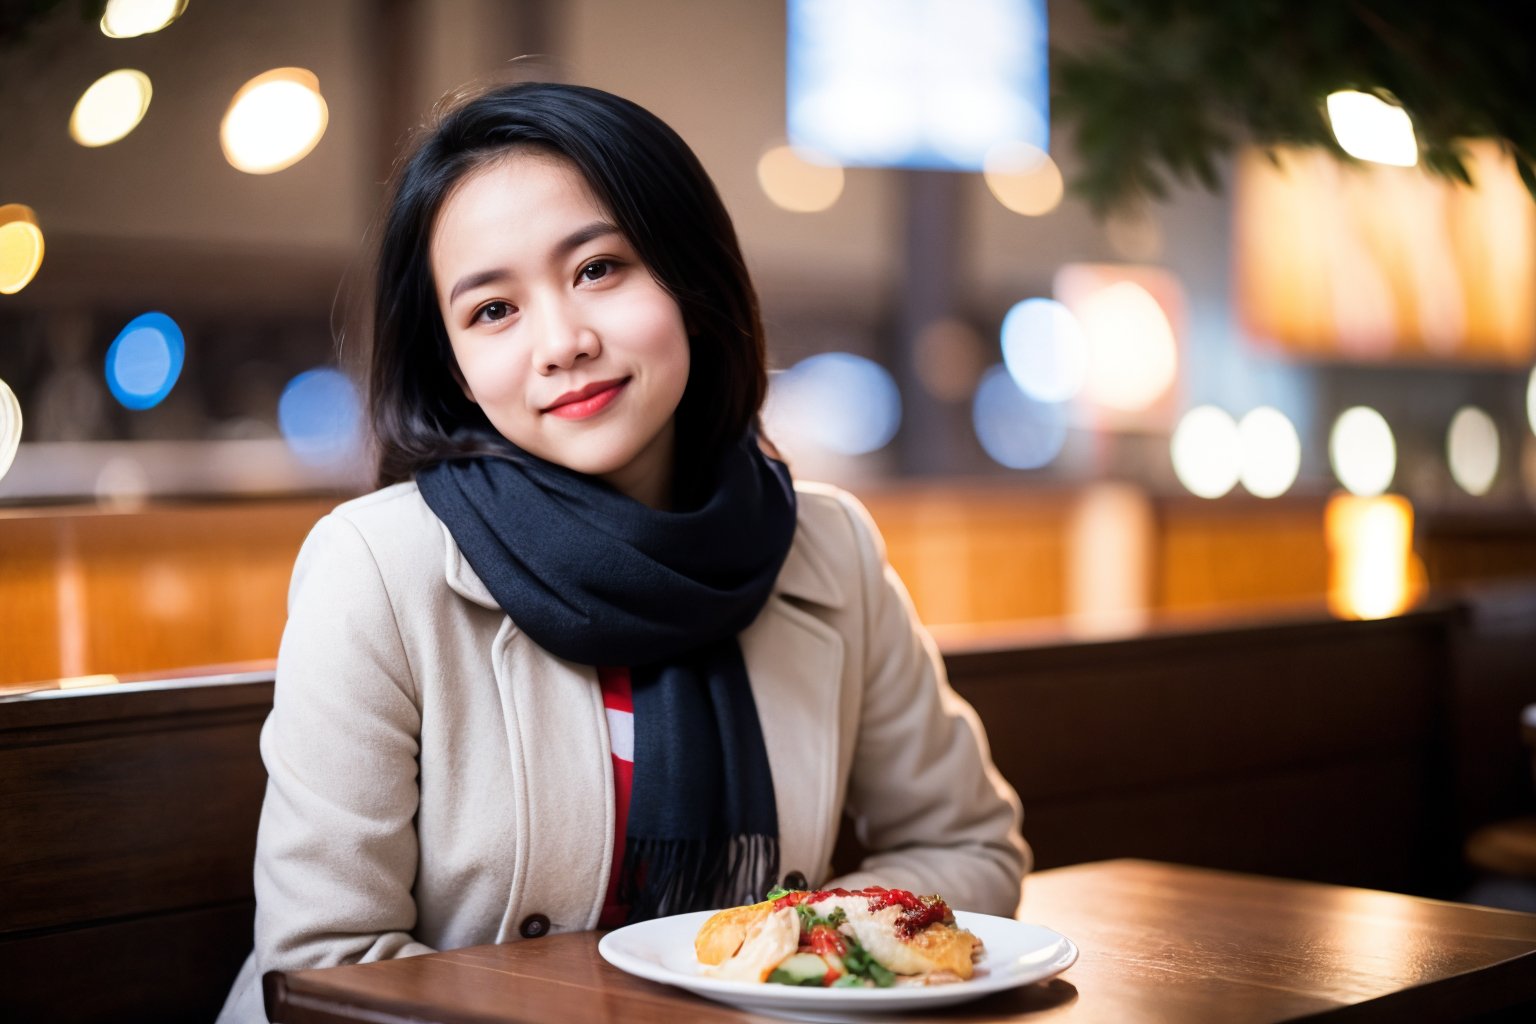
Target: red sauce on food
(917, 913)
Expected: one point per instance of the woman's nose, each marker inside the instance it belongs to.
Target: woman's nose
(564, 338)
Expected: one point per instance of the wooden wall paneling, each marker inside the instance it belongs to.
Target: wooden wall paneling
(973, 554)
(29, 596)
(1459, 549)
(187, 586)
(1240, 551)
(89, 591)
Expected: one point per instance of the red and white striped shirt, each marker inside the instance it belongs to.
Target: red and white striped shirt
(619, 705)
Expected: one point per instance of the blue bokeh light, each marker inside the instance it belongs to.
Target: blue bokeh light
(1014, 429)
(144, 361)
(320, 415)
(1044, 350)
(839, 401)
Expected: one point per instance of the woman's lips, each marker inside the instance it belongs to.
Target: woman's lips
(587, 401)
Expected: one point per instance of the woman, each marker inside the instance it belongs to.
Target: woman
(589, 656)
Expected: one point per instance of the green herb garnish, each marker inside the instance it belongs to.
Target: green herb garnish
(860, 963)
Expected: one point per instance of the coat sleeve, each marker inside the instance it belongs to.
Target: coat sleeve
(923, 793)
(336, 852)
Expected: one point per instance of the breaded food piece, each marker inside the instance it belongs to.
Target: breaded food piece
(722, 935)
(947, 948)
(770, 940)
(938, 947)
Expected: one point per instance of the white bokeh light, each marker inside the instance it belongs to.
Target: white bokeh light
(1014, 429)
(274, 121)
(1472, 447)
(1207, 452)
(1369, 128)
(1530, 400)
(1044, 350)
(912, 84)
(1133, 356)
(128, 19)
(10, 427)
(112, 107)
(1363, 451)
(836, 401)
(1271, 452)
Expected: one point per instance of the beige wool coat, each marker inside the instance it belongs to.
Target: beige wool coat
(436, 778)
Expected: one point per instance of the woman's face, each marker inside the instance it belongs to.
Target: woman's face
(564, 339)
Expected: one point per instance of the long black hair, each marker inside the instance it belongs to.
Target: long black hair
(658, 195)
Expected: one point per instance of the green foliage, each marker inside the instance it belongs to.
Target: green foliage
(1175, 85)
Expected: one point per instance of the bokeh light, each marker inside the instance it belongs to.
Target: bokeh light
(122, 485)
(1363, 451)
(1207, 452)
(1133, 357)
(1271, 452)
(799, 184)
(1370, 555)
(145, 360)
(837, 401)
(1044, 350)
(321, 417)
(126, 19)
(1015, 430)
(1530, 400)
(1023, 178)
(21, 247)
(112, 107)
(913, 85)
(10, 427)
(950, 358)
(1369, 128)
(1472, 447)
(274, 121)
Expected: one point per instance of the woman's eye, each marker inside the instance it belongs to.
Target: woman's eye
(596, 270)
(493, 312)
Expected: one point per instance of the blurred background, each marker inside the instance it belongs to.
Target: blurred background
(1086, 299)
(1183, 353)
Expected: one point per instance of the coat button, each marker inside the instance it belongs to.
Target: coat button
(796, 880)
(533, 926)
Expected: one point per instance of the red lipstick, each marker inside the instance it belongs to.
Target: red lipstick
(587, 401)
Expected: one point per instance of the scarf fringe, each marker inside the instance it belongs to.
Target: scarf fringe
(675, 876)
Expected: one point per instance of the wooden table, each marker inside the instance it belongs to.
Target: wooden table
(1159, 942)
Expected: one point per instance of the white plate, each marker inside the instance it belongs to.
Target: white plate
(1016, 954)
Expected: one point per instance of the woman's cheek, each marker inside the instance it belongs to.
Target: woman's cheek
(491, 375)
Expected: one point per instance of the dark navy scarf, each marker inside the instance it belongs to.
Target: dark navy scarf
(595, 577)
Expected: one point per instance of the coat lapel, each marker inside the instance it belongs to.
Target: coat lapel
(795, 662)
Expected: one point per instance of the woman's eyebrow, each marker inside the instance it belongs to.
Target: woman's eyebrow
(476, 280)
(575, 240)
(581, 236)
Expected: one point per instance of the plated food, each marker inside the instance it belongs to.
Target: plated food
(861, 938)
